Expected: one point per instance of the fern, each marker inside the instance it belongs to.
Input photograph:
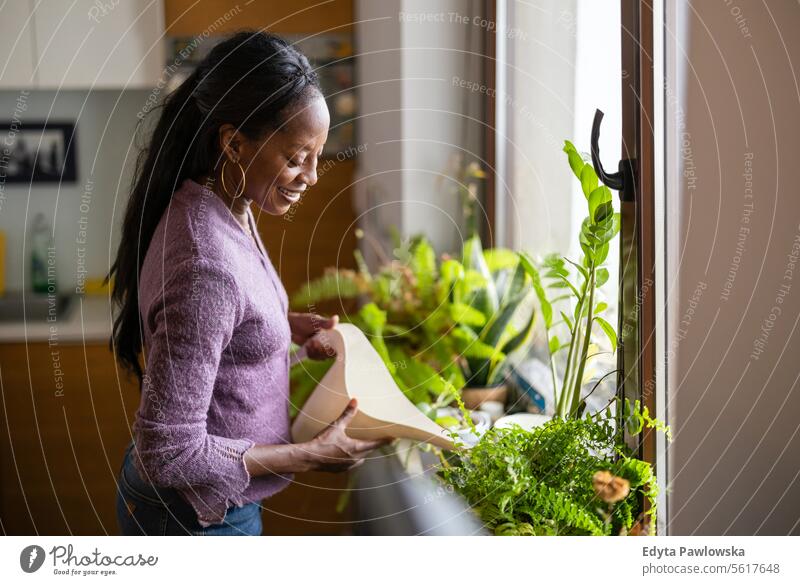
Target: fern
(560, 507)
(540, 482)
(341, 284)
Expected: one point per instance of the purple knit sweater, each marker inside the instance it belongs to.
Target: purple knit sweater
(217, 357)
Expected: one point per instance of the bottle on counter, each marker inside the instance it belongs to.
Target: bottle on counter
(41, 244)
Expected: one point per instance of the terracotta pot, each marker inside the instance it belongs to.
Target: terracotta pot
(475, 396)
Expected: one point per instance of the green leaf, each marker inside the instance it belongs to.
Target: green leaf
(596, 197)
(600, 307)
(335, 285)
(603, 211)
(496, 328)
(363, 269)
(423, 264)
(452, 281)
(485, 298)
(601, 253)
(467, 315)
(419, 381)
(588, 180)
(521, 338)
(609, 331)
(304, 377)
(545, 306)
(469, 345)
(517, 284)
(473, 257)
(448, 421)
(571, 287)
(554, 344)
(601, 277)
(500, 258)
(568, 321)
(576, 163)
(610, 228)
(580, 268)
(373, 318)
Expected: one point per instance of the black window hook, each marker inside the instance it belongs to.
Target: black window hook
(623, 179)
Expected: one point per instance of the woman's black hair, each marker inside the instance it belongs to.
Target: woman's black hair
(247, 80)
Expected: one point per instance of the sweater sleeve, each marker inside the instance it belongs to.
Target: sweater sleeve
(191, 323)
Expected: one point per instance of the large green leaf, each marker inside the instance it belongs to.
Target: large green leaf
(597, 197)
(473, 259)
(495, 329)
(452, 281)
(601, 277)
(545, 306)
(500, 258)
(469, 345)
(467, 315)
(575, 161)
(588, 180)
(517, 284)
(420, 381)
(520, 338)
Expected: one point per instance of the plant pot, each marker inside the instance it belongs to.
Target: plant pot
(474, 396)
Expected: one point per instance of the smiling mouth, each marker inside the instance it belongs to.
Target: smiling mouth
(290, 196)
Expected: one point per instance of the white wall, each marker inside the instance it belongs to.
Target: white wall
(378, 190)
(413, 117)
(436, 117)
(105, 122)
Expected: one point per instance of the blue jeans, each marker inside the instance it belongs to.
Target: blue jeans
(143, 509)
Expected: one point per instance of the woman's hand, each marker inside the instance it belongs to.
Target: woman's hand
(333, 450)
(305, 327)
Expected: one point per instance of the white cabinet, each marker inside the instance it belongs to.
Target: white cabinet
(16, 45)
(86, 44)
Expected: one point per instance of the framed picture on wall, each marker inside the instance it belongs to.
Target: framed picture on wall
(38, 152)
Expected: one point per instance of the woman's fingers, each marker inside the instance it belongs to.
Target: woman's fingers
(347, 414)
(362, 446)
(316, 350)
(330, 322)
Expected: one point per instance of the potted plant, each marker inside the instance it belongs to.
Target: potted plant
(489, 298)
(568, 477)
(453, 324)
(576, 284)
(574, 474)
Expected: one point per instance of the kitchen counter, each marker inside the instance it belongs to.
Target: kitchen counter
(88, 319)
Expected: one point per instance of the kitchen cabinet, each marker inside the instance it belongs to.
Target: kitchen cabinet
(189, 18)
(66, 413)
(82, 45)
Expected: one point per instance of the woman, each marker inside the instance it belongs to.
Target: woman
(211, 435)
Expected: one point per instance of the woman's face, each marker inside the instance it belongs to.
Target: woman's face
(283, 164)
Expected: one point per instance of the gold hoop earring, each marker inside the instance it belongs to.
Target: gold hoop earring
(244, 180)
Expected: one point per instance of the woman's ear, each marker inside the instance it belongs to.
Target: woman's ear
(230, 142)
